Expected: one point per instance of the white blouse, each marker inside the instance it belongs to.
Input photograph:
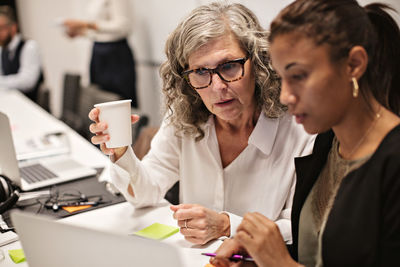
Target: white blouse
(112, 18)
(261, 178)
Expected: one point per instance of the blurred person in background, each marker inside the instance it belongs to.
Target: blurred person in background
(20, 65)
(112, 65)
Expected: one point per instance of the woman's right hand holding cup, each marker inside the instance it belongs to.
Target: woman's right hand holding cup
(101, 138)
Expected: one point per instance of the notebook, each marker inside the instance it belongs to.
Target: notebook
(29, 175)
(65, 245)
(49, 144)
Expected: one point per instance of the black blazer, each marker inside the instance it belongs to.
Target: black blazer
(363, 227)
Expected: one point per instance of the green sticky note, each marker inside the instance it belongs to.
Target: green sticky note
(17, 255)
(158, 231)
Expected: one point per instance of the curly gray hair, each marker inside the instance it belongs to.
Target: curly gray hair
(186, 109)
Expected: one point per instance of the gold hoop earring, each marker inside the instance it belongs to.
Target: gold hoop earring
(355, 87)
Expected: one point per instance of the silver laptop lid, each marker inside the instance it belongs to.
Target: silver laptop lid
(49, 243)
(8, 158)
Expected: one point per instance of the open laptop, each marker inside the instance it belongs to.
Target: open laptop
(42, 172)
(49, 243)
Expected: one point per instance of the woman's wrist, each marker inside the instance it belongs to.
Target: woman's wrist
(118, 153)
(226, 230)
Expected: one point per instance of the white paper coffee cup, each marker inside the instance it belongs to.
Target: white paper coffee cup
(117, 115)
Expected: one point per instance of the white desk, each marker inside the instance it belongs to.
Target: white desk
(27, 118)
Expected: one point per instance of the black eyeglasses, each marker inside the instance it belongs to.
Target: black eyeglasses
(229, 72)
(55, 200)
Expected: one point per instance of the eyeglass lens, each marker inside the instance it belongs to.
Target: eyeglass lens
(229, 72)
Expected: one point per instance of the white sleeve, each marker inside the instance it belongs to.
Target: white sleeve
(283, 222)
(29, 70)
(154, 175)
(121, 171)
(119, 22)
(234, 221)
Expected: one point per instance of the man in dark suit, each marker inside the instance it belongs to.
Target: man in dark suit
(20, 66)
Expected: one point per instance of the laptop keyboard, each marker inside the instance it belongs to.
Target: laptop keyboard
(36, 173)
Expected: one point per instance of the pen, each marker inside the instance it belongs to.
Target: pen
(234, 257)
(83, 203)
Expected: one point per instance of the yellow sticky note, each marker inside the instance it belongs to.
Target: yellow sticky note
(157, 231)
(17, 255)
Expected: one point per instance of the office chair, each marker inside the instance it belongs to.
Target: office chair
(89, 96)
(43, 98)
(71, 96)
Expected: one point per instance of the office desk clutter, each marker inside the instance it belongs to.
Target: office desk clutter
(64, 200)
(39, 129)
(33, 174)
(27, 175)
(71, 198)
(60, 201)
(116, 220)
(70, 201)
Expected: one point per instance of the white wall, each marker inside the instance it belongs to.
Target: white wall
(153, 21)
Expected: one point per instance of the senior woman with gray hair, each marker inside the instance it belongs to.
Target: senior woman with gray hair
(225, 136)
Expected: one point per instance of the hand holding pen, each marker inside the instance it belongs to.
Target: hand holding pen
(234, 257)
(259, 237)
(230, 253)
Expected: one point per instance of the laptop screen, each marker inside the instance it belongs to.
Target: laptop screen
(41, 172)
(8, 160)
